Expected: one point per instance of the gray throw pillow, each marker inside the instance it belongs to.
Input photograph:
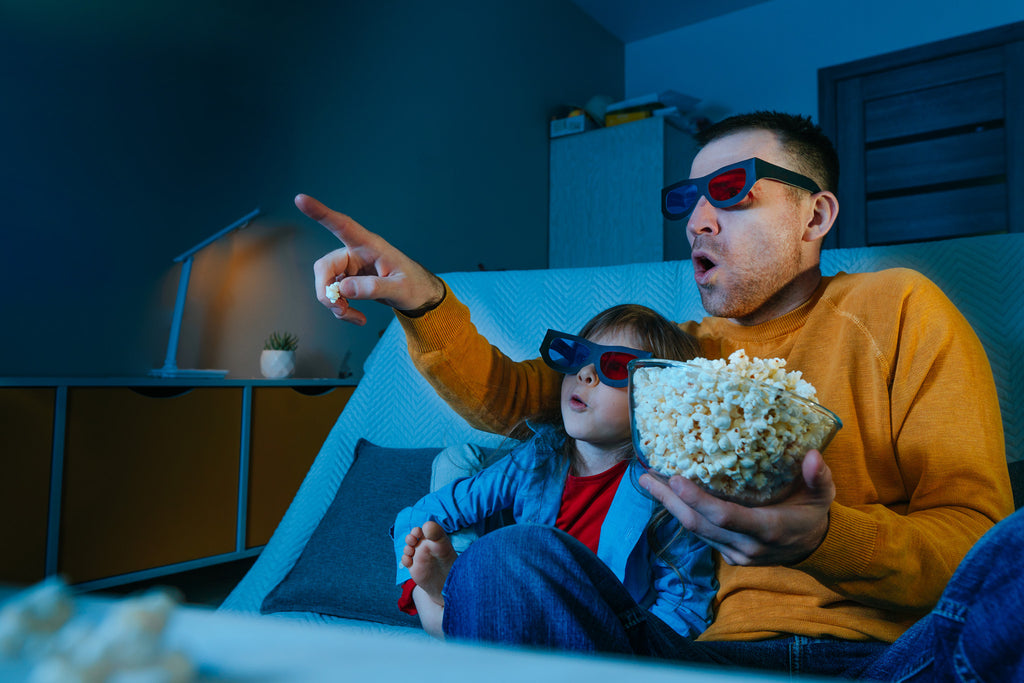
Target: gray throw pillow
(347, 568)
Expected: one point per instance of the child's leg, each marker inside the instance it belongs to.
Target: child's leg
(430, 613)
(429, 556)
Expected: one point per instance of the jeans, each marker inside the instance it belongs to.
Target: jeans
(976, 632)
(537, 586)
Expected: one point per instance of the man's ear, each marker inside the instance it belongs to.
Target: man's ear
(824, 212)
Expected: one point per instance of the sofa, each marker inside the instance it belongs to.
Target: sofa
(331, 559)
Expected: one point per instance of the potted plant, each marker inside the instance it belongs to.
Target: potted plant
(278, 358)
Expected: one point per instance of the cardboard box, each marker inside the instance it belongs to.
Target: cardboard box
(577, 123)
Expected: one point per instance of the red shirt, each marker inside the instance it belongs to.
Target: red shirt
(585, 503)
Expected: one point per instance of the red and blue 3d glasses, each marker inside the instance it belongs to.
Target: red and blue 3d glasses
(569, 354)
(727, 186)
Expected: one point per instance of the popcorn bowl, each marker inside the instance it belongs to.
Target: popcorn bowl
(740, 439)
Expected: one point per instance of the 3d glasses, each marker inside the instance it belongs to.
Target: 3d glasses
(569, 354)
(727, 186)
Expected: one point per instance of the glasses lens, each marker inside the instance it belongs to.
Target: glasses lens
(727, 185)
(681, 200)
(613, 364)
(568, 353)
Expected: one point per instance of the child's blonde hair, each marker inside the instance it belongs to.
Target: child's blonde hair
(657, 334)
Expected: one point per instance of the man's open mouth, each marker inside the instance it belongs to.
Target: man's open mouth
(702, 265)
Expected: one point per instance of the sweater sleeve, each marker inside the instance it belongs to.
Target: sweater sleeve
(483, 385)
(947, 443)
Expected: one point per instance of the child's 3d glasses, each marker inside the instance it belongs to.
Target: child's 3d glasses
(569, 354)
(727, 186)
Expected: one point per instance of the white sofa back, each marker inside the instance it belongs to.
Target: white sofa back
(394, 407)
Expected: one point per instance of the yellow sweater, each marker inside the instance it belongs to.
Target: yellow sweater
(919, 465)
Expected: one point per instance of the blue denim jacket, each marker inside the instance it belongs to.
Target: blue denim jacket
(530, 480)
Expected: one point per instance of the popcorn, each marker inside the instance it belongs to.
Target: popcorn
(30, 619)
(40, 632)
(334, 291)
(739, 428)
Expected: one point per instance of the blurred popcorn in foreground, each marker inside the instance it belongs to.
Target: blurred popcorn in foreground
(125, 645)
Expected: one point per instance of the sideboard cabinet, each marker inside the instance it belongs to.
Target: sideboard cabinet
(605, 194)
(110, 481)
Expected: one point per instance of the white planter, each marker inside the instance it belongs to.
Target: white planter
(277, 364)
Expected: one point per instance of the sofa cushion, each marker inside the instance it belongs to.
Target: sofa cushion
(347, 568)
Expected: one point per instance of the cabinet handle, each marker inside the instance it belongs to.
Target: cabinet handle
(161, 392)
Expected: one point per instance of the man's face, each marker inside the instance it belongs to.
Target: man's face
(746, 256)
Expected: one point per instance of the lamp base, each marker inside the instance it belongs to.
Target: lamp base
(187, 374)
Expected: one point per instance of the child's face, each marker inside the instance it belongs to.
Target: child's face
(592, 411)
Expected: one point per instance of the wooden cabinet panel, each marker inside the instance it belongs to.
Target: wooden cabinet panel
(26, 445)
(151, 473)
(978, 156)
(150, 478)
(953, 213)
(946, 107)
(288, 427)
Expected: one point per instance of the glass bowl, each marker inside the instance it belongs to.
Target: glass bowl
(740, 439)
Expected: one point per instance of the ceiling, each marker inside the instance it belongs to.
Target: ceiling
(630, 20)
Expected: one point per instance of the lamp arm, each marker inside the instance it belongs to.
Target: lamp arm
(171, 361)
(240, 223)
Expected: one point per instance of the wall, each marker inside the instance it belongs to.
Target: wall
(768, 56)
(132, 131)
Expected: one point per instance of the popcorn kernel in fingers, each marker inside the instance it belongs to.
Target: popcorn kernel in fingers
(334, 292)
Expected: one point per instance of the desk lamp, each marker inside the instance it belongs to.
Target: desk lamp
(170, 368)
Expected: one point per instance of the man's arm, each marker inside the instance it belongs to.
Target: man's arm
(487, 388)
(491, 391)
(367, 267)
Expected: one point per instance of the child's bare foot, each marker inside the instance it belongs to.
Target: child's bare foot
(432, 559)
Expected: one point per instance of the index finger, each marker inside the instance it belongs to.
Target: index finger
(341, 226)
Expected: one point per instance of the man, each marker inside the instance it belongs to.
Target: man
(822, 581)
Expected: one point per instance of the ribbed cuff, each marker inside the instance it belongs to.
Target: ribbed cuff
(423, 310)
(848, 547)
(432, 330)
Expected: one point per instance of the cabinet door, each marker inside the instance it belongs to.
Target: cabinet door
(150, 478)
(289, 425)
(26, 447)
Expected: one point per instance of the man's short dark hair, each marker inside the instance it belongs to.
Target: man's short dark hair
(809, 147)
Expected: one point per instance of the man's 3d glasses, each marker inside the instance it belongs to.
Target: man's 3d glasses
(727, 186)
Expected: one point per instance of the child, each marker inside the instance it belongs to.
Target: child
(576, 473)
